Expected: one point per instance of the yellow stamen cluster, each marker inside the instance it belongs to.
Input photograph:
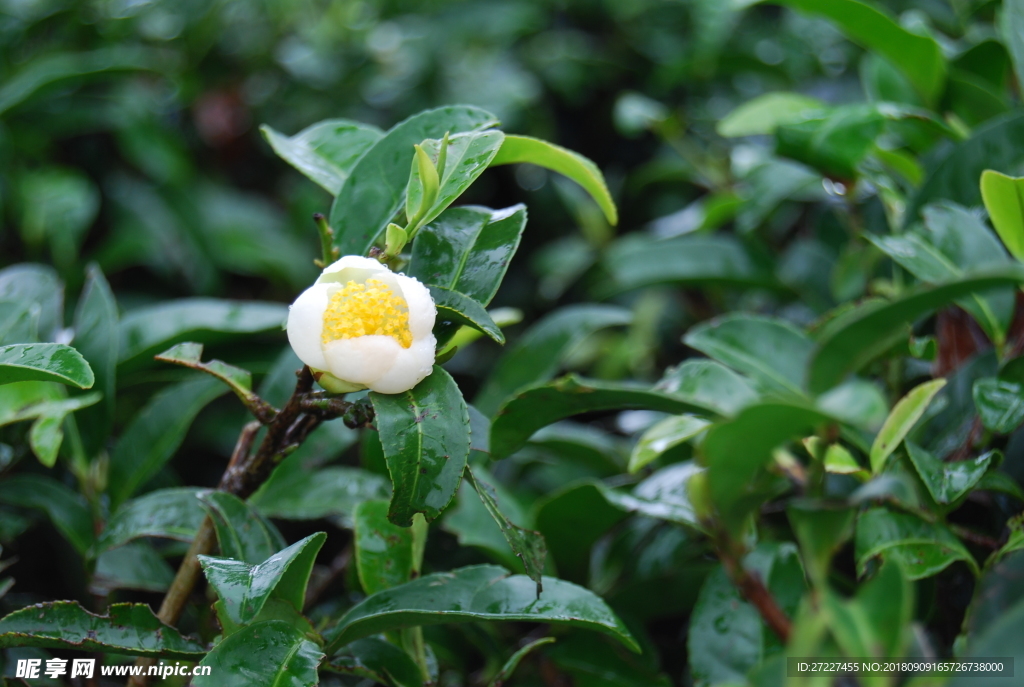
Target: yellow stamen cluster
(364, 309)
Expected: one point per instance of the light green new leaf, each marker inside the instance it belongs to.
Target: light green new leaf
(130, 629)
(474, 594)
(241, 532)
(904, 415)
(171, 513)
(375, 188)
(326, 151)
(537, 355)
(765, 113)
(384, 551)
(922, 548)
(44, 362)
(468, 155)
(425, 435)
(244, 589)
(266, 654)
(1004, 199)
(573, 165)
(662, 436)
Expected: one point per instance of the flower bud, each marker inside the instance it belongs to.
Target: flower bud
(360, 326)
(394, 239)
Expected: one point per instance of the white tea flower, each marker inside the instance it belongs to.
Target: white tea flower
(360, 325)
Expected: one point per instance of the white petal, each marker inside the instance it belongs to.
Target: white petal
(422, 311)
(411, 367)
(363, 359)
(306, 323)
(352, 268)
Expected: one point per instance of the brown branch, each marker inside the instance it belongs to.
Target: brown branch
(753, 589)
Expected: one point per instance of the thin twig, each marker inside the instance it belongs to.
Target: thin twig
(753, 589)
(320, 584)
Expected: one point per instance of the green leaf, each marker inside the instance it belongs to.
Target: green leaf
(513, 661)
(468, 155)
(709, 385)
(1000, 404)
(244, 589)
(557, 159)
(326, 151)
(96, 338)
(537, 355)
(922, 548)
(132, 566)
(67, 510)
(190, 355)
(918, 57)
(475, 594)
(170, 513)
(873, 623)
(737, 449)
(42, 401)
(130, 629)
(663, 436)
(59, 67)
(822, 529)
(948, 482)
(857, 402)
(468, 249)
(375, 189)
(155, 433)
(1012, 26)
(241, 532)
(315, 494)
(762, 115)
(1004, 199)
(726, 636)
(149, 330)
(926, 262)
(266, 654)
(48, 362)
(546, 404)
(635, 262)
(528, 546)
(771, 351)
(954, 177)
(457, 308)
(857, 337)
(384, 551)
(904, 415)
(425, 434)
(835, 142)
(472, 524)
(36, 285)
(378, 660)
